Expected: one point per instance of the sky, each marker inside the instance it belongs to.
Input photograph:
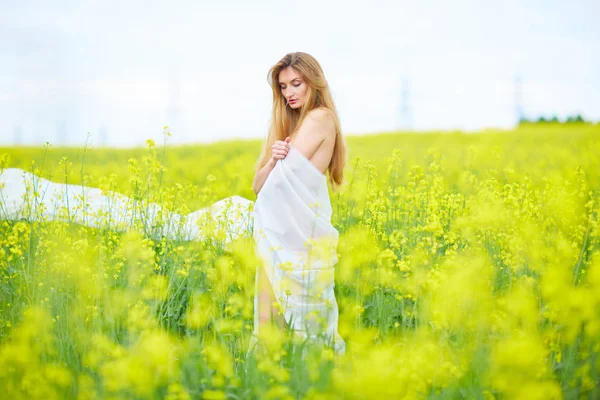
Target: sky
(115, 72)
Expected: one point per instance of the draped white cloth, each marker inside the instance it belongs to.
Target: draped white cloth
(297, 244)
(26, 196)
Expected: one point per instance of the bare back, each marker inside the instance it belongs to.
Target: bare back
(316, 140)
(322, 156)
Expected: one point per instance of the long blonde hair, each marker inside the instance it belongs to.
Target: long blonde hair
(285, 120)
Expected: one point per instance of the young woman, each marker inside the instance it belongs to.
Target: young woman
(292, 213)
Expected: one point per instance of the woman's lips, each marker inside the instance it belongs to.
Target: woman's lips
(292, 101)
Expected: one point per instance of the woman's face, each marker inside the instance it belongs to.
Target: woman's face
(292, 87)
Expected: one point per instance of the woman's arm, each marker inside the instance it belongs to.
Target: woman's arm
(279, 150)
(262, 174)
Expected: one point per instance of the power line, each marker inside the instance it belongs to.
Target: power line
(173, 112)
(519, 113)
(17, 135)
(103, 135)
(405, 121)
(61, 132)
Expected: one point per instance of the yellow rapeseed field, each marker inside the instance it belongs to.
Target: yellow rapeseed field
(469, 267)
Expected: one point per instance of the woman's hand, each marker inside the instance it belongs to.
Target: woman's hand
(280, 149)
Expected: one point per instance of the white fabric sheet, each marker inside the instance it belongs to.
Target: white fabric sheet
(297, 245)
(94, 207)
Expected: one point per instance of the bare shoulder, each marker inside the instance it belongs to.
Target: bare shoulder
(322, 118)
(321, 114)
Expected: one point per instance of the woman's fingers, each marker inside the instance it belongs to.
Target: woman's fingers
(280, 149)
(282, 144)
(280, 152)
